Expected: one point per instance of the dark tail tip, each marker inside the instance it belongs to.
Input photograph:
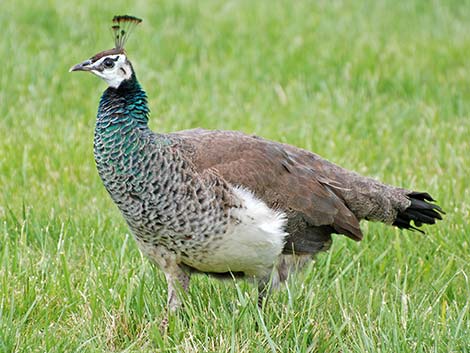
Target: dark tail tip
(420, 211)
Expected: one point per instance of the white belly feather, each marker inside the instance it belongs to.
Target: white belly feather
(253, 242)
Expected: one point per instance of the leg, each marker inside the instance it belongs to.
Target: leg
(266, 285)
(175, 274)
(176, 278)
(291, 263)
(280, 273)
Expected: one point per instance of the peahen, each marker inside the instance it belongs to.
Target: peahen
(223, 202)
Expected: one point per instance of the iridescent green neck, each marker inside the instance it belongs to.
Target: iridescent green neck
(123, 106)
(121, 127)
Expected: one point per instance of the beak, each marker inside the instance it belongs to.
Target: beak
(84, 66)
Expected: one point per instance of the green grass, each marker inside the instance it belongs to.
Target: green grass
(381, 87)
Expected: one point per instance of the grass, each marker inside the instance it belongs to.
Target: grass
(380, 87)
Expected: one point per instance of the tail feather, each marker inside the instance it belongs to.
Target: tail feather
(420, 211)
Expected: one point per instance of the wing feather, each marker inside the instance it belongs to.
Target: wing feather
(281, 175)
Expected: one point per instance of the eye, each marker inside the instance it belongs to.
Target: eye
(108, 63)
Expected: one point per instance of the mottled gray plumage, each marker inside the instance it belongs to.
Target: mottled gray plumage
(224, 202)
(156, 187)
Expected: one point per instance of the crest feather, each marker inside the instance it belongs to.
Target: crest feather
(122, 28)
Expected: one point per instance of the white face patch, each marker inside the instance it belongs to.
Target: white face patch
(113, 69)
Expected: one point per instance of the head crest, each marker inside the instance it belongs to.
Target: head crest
(122, 28)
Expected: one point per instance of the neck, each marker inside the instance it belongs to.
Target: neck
(126, 105)
(120, 126)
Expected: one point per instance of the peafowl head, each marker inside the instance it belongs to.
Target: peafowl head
(112, 65)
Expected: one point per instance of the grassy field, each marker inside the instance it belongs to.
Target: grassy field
(381, 87)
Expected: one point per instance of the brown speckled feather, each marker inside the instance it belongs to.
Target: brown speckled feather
(279, 175)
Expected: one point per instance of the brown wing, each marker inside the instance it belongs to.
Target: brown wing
(282, 176)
